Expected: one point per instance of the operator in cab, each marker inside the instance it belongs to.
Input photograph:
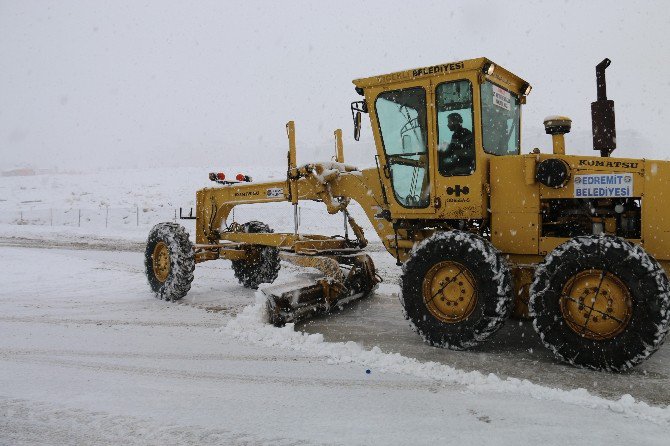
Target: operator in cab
(459, 156)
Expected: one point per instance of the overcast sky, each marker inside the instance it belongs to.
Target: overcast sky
(135, 83)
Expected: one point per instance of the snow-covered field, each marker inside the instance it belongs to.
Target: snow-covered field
(88, 356)
(127, 202)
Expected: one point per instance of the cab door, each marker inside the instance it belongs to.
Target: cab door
(460, 167)
(404, 133)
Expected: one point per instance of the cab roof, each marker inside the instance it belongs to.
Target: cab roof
(499, 75)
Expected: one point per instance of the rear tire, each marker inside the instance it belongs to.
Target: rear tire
(264, 268)
(600, 302)
(456, 290)
(169, 261)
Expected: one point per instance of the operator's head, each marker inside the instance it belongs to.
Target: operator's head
(454, 121)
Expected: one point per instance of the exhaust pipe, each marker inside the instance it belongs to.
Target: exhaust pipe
(602, 115)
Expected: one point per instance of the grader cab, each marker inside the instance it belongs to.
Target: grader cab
(579, 244)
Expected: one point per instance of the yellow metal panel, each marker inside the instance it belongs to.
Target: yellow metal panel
(449, 69)
(509, 189)
(548, 244)
(301, 242)
(666, 266)
(316, 245)
(267, 239)
(515, 233)
(656, 209)
(464, 206)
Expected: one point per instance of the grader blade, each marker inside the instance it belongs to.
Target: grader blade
(345, 278)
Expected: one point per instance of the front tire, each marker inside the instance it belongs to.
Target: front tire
(456, 290)
(600, 302)
(169, 261)
(263, 266)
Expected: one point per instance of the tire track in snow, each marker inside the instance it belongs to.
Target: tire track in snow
(286, 357)
(108, 322)
(31, 422)
(94, 244)
(222, 377)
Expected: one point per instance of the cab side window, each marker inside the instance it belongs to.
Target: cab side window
(501, 115)
(402, 122)
(455, 138)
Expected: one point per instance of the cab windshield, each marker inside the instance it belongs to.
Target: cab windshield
(501, 113)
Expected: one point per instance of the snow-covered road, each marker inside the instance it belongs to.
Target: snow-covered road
(88, 356)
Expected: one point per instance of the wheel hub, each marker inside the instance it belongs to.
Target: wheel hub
(449, 291)
(161, 261)
(596, 304)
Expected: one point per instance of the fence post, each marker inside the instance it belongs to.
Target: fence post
(106, 215)
(175, 215)
(51, 216)
(79, 220)
(137, 215)
(21, 218)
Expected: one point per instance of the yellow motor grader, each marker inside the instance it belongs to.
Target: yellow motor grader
(580, 244)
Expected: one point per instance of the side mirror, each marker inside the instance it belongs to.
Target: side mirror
(357, 108)
(357, 126)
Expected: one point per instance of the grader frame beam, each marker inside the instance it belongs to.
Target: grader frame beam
(214, 205)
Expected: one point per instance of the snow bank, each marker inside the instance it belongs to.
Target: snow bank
(251, 326)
